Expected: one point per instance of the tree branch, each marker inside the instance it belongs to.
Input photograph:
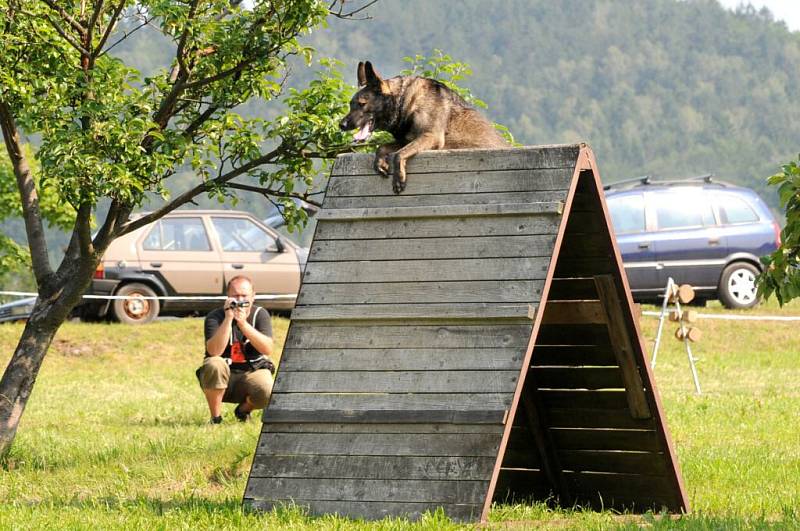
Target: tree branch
(275, 193)
(28, 196)
(340, 13)
(111, 23)
(71, 40)
(77, 26)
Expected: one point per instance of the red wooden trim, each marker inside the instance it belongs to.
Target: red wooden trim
(638, 343)
(582, 162)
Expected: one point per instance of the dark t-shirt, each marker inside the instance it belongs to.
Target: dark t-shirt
(239, 349)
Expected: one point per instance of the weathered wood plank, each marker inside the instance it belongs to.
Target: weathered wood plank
(622, 346)
(328, 427)
(427, 270)
(578, 377)
(412, 311)
(288, 414)
(574, 335)
(596, 418)
(573, 356)
(584, 246)
(644, 463)
(437, 228)
(417, 336)
(505, 291)
(439, 492)
(519, 485)
(572, 289)
(605, 439)
(397, 382)
(373, 467)
(475, 182)
(370, 510)
(581, 267)
(451, 161)
(629, 485)
(553, 208)
(391, 200)
(433, 248)
(379, 444)
(402, 359)
(584, 399)
(573, 312)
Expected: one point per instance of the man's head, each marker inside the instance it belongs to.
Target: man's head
(240, 288)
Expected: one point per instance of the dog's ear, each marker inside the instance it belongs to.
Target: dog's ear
(361, 74)
(372, 77)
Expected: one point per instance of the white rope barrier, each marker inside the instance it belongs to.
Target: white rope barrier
(737, 317)
(166, 298)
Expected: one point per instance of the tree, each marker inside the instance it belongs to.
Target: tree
(781, 275)
(109, 137)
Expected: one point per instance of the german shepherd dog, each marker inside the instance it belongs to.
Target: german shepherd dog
(420, 113)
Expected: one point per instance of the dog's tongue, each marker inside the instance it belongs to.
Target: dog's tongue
(363, 133)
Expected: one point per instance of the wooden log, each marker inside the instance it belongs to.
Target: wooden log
(683, 293)
(380, 444)
(507, 291)
(573, 312)
(432, 248)
(369, 510)
(692, 334)
(623, 346)
(364, 229)
(473, 182)
(453, 161)
(427, 270)
(402, 359)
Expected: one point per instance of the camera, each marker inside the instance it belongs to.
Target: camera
(238, 304)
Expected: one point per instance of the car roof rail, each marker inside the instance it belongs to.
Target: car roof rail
(628, 183)
(707, 178)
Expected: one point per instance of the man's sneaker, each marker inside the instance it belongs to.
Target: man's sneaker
(240, 415)
(216, 420)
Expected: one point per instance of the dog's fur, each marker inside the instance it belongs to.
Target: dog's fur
(420, 113)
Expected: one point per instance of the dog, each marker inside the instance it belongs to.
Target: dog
(420, 113)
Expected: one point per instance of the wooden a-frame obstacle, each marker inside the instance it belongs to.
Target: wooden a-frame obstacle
(468, 341)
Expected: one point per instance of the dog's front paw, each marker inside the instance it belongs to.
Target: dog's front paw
(399, 183)
(382, 166)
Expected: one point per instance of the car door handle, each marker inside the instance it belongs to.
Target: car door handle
(237, 266)
(155, 264)
(713, 241)
(644, 245)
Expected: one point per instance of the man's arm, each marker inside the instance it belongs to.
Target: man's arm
(218, 342)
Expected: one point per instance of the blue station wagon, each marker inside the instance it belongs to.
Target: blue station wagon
(702, 232)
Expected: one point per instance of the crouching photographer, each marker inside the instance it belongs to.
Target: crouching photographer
(237, 367)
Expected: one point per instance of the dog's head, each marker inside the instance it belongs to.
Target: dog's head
(368, 105)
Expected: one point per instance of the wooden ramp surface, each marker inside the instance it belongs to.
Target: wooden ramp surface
(469, 340)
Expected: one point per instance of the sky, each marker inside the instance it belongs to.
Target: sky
(786, 10)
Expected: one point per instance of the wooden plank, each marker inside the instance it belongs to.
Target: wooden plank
(572, 289)
(438, 492)
(328, 427)
(372, 467)
(451, 161)
(402, 359)
(584, 246)
(475, 182)
(518, 225)
(432, 248)
(644, 463)
(573, 312)
(286, 413)
(605, 439)
(553, 208)
(379, 444)
(581, 267)
(584, 223)
(390, 200)
(415, 336)
(571, 417)
(573, 335)
(506, 291)
(427, 270)
(627, 485)
(520, 485)
(411, 311)
(622, 346)
(577, 377)
(573, 356)
(584, 399)
(369, 510)
(397, 381)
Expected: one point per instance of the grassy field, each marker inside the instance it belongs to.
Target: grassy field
(116, 436)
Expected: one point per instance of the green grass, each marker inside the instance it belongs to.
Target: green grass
(116, 436)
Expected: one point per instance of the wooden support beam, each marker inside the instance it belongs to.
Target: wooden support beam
(622, 346)
(574, 312)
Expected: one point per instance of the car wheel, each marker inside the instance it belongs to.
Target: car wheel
(137, 309)
(737, 287)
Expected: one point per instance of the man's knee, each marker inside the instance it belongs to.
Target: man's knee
(214, 374)
(259, 388)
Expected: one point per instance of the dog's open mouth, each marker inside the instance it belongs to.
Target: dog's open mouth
(364, 132)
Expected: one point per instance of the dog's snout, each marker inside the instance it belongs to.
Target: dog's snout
(344, 125)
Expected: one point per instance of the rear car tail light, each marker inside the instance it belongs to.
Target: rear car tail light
(777, 230)
(100, 272)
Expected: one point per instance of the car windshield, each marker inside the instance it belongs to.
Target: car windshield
(242, 235)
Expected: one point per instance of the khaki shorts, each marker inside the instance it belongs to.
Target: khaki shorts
(217, 374)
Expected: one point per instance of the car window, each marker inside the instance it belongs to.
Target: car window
(734, 209)
(682, 210)
(177, 234)
(242, 235)
(627, 213)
